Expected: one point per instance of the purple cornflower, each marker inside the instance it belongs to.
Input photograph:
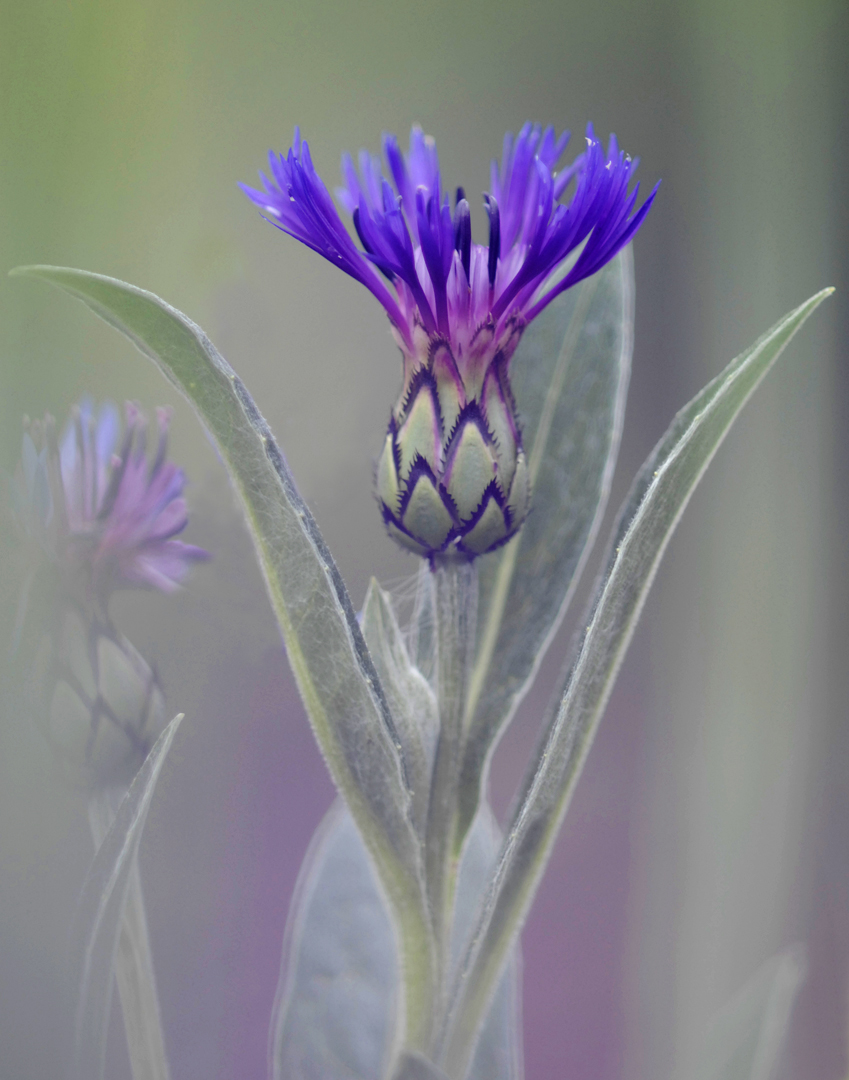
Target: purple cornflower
(122, 509)
(452, 474)
(106, 515)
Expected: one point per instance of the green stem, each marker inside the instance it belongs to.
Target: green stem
(134, 968)
(456, 609)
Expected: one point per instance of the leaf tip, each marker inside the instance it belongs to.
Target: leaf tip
(35, 270)
(823, 294)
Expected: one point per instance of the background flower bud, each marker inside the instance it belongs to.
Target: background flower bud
(95, 512)
(103, 706)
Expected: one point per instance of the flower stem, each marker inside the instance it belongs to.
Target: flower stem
(456, 610)
(134, 967)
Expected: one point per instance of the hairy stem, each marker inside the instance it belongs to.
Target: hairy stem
(456, 609)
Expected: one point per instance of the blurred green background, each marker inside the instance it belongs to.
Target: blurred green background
(713, 823)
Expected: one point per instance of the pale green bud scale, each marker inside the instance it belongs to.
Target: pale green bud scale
(449, 389)
(426, 516)
(470, 470)
(488, 530)
(420, 433)
(387, 477)
(405, 539)
(503, 432)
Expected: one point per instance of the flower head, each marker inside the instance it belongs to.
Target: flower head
(452, 474)
(100, 506)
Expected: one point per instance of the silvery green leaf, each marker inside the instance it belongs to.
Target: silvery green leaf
(334, 1014)
(101, 909)
(746, 1038)
(570, 377)
(335, 674)
(410, 697)
(498, 1055)
(648, 518)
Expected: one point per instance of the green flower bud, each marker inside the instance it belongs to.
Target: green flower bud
(103, 705)
(453, 475)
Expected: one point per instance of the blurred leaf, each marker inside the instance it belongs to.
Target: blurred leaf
(649, 516)
(133, 963)
(411, 699)
(417, 1067)
(101, 910)
(746, 1038)
(334, 1014)
(570, 377)
(335, 674)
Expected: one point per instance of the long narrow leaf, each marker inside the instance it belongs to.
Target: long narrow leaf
(101, 910)
(498, 1054)
(409, 694)
(570, 377)
(335, 674)
(659, 497)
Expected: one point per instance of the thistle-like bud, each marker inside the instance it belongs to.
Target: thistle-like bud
(103, 706)
(453, 473)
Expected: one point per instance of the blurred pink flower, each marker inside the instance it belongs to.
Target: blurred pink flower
(122, 510)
